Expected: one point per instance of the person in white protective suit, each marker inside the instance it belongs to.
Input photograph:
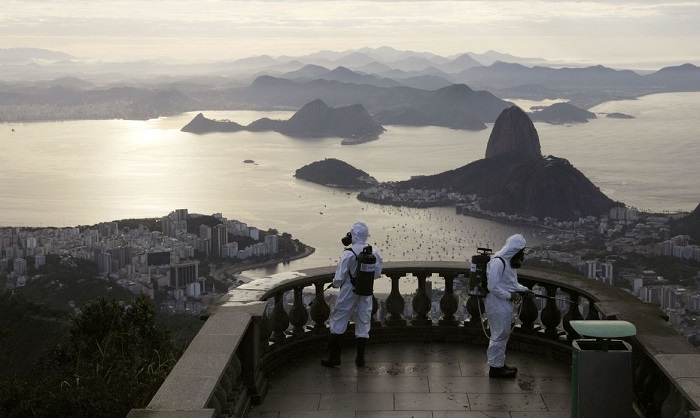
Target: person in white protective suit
(349, 303)
(504, 294)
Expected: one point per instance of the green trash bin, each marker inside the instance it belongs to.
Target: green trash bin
(601, 370)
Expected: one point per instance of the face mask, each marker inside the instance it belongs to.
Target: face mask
(517, 259)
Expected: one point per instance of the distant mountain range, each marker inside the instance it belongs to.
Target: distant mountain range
(392, 85)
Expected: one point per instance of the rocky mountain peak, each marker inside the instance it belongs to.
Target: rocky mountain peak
(513, 132)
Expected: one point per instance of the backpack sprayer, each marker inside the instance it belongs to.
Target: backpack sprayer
(363, 278)
(478, 283)
(478, 286)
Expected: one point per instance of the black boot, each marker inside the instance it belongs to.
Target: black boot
(334, 348)
(502, 372)
(515, 369)
(360, 359)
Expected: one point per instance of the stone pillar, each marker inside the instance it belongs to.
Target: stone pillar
(395, 305)
(298, 316)
(279, 319)
(319, 310)
(550, 316)
(448, 304)
(421, 304)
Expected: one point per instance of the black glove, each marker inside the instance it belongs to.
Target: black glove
(515, 297)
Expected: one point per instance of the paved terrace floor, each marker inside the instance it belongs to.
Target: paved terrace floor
(419, 380)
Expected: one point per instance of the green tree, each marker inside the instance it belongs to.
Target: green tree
(114, 360)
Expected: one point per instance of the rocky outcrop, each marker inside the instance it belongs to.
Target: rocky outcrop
(546, 187)
(202, 125)
(515, 179)
(513, 132)
(335, 173)
(316, 119)
(688, 225)
(352, 123)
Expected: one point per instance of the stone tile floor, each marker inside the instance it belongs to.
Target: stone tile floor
(419, 380)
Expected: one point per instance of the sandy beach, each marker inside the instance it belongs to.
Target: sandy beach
(231, 272)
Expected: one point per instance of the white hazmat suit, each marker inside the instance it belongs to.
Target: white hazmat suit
(348, 302)
(502, 282)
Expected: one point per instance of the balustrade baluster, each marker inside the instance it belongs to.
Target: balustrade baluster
(661, 394)
(319, 310)
(221, 398)
(215, 404)
(653, 384)
(573, 314)
(528, 314)
(675, 405)
(279, 319)
(640, 374)
(265, 331)
(421, 304)
(298, 315)
(226, 385)
(592, 311)
(448, 304)
(551, 316)
(395, 304)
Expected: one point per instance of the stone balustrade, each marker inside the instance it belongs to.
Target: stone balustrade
(262, 324)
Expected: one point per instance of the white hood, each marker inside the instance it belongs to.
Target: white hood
(513, 244)
(359, 232)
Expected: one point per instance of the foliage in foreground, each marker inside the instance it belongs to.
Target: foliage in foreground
(114, 360)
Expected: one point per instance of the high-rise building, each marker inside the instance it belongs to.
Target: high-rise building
(104, 263)
(122, 255)
(165, 225)
(205, 239)
(272, 242)
(20, 266)
(606, 272)
(219, 238)
(231, 250)
(182, 274)
(181, 214)
(590, 268)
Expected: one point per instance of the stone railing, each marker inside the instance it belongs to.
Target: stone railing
(260, 325)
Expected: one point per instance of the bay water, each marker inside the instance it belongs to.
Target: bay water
(70, 173)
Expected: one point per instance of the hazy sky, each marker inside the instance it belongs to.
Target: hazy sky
(631, 34)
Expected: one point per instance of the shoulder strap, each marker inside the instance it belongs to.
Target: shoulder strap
(502, 261)
(355, 254)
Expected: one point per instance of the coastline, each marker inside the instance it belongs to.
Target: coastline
(231, 271)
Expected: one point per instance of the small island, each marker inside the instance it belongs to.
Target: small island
(335, 173)
(616, 115)
(561, 113)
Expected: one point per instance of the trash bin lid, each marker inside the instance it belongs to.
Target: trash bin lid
(604, 329)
